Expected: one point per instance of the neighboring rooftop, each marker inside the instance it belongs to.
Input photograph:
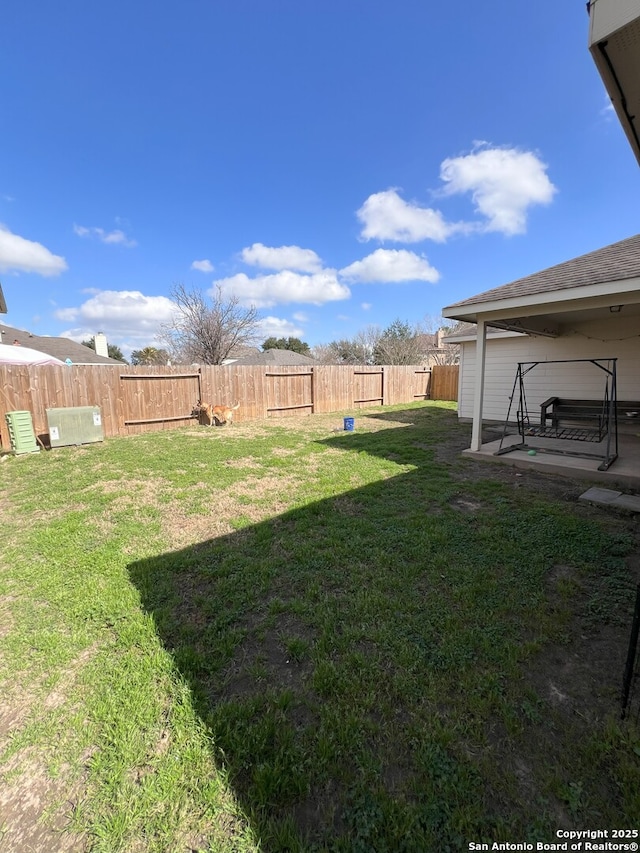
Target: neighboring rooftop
(471, 334)
(281, 357)
(616, 262)
(62, 348)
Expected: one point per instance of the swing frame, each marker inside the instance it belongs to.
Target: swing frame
(607, 423)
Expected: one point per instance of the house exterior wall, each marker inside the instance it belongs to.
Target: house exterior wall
(617, 337)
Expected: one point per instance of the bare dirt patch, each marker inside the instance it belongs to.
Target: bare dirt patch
(250, 429)
(252, 499)
(465, 504)
(264, 657)
(36, 806)
(35, 811)
(245, 462)
(15, 707)
(130, 490)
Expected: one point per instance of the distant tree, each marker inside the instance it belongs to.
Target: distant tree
(346, 351)
(365, 342)
(206, 333)
(150, 356)
(398, 344)
(322, 353)
(293, 344)
(113, 351)
(357, 350)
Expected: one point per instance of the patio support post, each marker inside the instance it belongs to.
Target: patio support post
(481, 346)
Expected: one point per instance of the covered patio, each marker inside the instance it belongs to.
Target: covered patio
(624, 473)
(585, 309)
(562, 318)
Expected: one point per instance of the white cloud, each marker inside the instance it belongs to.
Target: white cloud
(282, 258)
(202, 266)
(386, 216)
(118, 313)
(504, 183)
(366, 306)
(608, 111)
(17, 254)
(391, 265)
(116, 237)
(278, 328)
(300, 317)
(283, 287)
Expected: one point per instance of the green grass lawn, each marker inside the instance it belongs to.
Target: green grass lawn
(278, 636)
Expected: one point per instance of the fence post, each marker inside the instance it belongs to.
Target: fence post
(313, 390)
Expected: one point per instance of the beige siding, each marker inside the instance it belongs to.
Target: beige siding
(615, 338)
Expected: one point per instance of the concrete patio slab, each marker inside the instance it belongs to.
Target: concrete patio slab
(622, 475)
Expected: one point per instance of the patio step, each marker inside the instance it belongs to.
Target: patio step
(609, 497)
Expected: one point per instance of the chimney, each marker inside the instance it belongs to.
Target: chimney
(100, 344)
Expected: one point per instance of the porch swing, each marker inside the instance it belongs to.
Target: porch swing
(586, 421)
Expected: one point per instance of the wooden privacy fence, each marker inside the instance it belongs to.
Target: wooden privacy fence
(139, 399)
(444, 382)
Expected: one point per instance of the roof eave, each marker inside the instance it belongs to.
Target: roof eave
(531, 305)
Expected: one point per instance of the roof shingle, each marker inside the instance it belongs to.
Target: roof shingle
(281, 357)
(62, 348)
(616, 262)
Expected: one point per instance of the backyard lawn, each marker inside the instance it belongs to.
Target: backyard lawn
(280, 636)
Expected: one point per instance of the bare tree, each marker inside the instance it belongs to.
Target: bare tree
(400, 343)
(323, 354)
(206, 333)
(366, 341)
(357, 350)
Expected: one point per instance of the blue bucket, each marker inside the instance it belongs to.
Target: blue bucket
(349, 424)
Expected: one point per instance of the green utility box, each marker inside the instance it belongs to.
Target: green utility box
(77, 425)
(21, 434)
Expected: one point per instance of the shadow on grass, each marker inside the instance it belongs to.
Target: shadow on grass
(358, 660)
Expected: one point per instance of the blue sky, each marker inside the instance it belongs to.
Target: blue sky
(338, 164)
